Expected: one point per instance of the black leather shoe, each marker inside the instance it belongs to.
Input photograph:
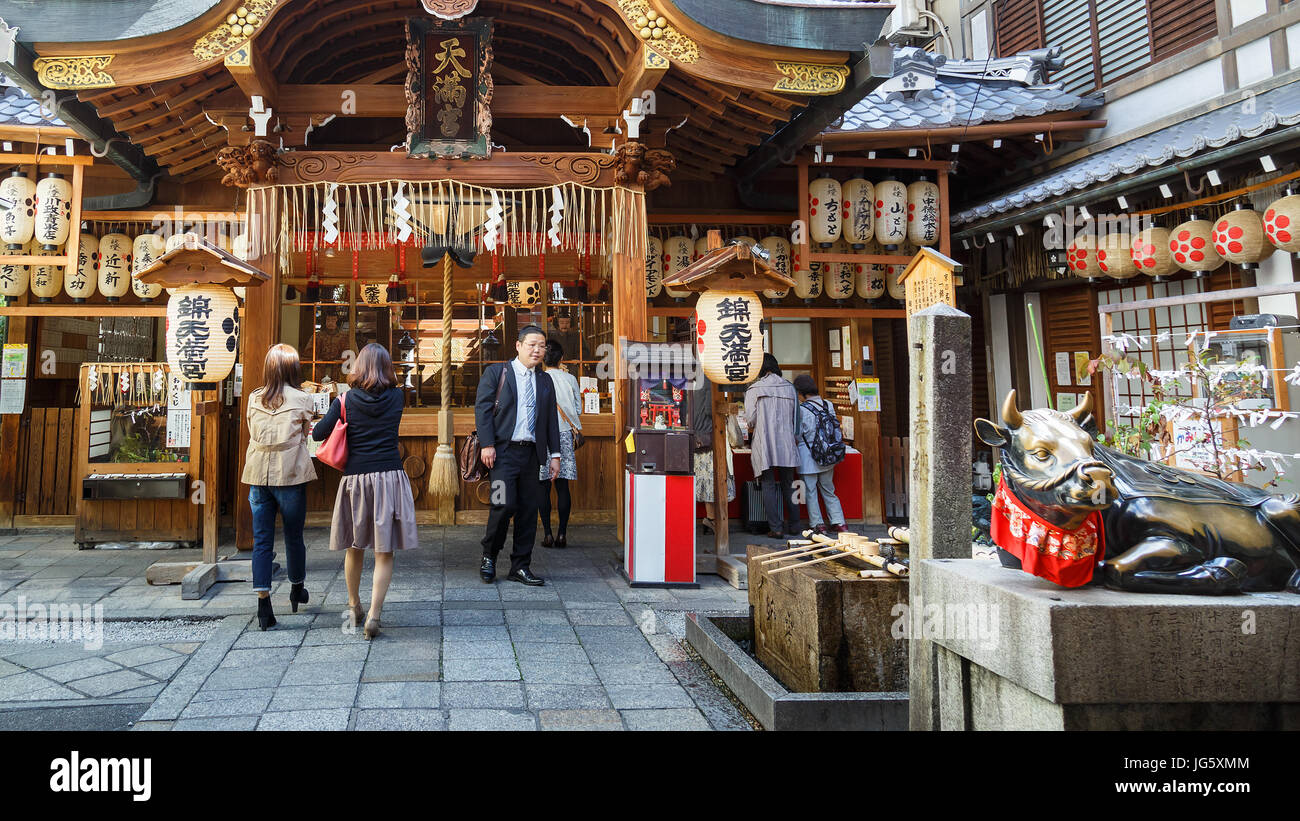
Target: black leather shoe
(561, 541)
(548, 541)
(488, 570)
(525, 576)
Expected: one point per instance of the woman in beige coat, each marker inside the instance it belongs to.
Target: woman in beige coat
(277, 469)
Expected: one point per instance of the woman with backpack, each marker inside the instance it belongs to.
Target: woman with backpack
(374, 509)
(821, 448)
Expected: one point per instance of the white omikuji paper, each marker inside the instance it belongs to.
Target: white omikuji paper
(13, 394)
(178, 427)
(321, 403)
(178, 396)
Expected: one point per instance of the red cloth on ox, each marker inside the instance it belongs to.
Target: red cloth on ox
(1064, 557)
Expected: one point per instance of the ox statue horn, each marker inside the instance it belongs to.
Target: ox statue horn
(1080, 411)
(1010, 413)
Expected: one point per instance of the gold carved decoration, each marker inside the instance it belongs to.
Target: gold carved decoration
(653, 27)
(649, 168)
(247, 165)
(74, 72)
(584, 169)
(810, 78)
(236, 28)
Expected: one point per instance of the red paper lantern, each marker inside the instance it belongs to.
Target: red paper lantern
(1192, 247)
(1239, 237)
(1282, 223)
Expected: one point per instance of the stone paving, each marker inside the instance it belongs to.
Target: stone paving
(584, 652)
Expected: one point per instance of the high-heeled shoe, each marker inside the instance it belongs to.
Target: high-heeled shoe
(298, 595)
(548, 541)
(265, 617)
(561, 541)
(372, 628)
(358, 615)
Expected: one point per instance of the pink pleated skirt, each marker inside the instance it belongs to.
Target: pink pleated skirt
(374, 511)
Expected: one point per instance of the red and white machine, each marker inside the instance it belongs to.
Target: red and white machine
(659, 530)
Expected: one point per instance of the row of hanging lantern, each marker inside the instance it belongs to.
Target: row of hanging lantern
(1242, 236)
(859, 212)
(839, 280)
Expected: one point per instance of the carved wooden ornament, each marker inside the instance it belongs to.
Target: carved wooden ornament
(649, 168)
(247, 165)
(449, 9)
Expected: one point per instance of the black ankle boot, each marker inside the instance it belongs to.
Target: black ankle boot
(265, 618)
(298, 595)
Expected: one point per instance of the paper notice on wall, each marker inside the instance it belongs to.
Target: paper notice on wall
(178, 395)
(847, 348)
(846, 426)
(13, 394)
(835, 360)
(867, 392)
(178, 427)
(15, 362)
(1066, 401)
(1064, 371)
(239, 379)
(591, 403)
(1081, 376)
(320, 403)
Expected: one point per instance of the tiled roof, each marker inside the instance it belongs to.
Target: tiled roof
(1214, 129)
(928, 91)
(16, 108)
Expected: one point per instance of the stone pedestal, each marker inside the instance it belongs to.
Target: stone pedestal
(823, 628)
(1019, 653)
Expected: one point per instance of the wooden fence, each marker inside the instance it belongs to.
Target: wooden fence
(46, 443)
(895, 458)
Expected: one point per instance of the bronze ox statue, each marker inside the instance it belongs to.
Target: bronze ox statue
(1166, 530)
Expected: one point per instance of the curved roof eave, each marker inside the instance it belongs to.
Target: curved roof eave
(820, 26)
(82, 21)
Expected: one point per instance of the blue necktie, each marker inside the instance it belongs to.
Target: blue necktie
(530, 403)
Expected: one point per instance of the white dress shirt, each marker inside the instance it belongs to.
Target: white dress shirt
(525, 377)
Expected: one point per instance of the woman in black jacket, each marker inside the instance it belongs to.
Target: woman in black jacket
(374, 508)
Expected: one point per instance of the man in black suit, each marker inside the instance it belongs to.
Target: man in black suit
(519, 431)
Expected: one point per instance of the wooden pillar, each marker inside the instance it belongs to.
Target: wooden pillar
(210, 410)
(10, 430)
(630, 303)
(260, 330)
(867, 433)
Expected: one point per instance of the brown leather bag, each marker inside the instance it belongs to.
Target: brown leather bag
(472, 468)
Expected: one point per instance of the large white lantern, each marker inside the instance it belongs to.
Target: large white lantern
(778, 259)
(860, 221)
(891, 213)
(808, 282)
(80, 281)
(825, 210)
(679, 251)
(202, 333)
(47, 280)
(114, 266)
(13, 278)
(871, 276)
(654, 267)
(53, 211)
(923, 213)
(18, 221)
(1192, 246)
(1282, 223)
(145, 251)
(894, 283)
(841, 277)
(727, 336)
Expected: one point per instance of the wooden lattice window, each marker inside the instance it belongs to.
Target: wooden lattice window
(1017, 26)
(1180, 24)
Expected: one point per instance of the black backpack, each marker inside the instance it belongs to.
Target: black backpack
(827, 445)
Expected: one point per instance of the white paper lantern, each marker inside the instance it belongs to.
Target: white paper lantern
(825, 210)
(47, 280)
(923, 213)
(239, 247)
(202, 333)
(871, 275)
(1151, 253)
(523, 294)
(1115, 256)
(654, 267)
(893, 280)
(53, 211)
(114, 266)
(1282, 223)
(728, 339)
(145, 251)
(778, 259)
(18, 222)
(841, 277)
(860, 222)
(701, 248)
(808, 282)
(679, 251)
(1192, 246)
(13, 278)
(743, 239)
(79, 282)
(891, 213)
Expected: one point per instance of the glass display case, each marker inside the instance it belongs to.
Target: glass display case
(659, 413)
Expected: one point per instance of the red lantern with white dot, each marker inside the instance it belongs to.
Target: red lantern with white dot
(1192, 247)
(1239, 237)
(1081, 257)
(1115, 256)
(825, 210)
(1282, 223)
(1151, 255)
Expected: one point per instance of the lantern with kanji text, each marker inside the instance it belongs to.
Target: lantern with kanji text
(860, 221)
(79, 281)
(53, 211)
(841, 279)
(825, 210)
(114, 266)
(145, 251)
(891, 213)
(202, 333)
(679, 251)
(47, 280)
(18, 220)
(778, 256)
(727, 336)
(923, 213)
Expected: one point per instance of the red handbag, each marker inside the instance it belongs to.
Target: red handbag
(334, 450)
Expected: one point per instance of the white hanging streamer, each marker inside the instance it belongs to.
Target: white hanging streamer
(93, 376)
(557, 215)
(402, 213)
(330, 215)
(492, 228)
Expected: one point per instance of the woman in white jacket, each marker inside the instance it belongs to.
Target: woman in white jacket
(566, 403)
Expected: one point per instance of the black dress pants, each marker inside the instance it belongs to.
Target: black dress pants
(515, 495)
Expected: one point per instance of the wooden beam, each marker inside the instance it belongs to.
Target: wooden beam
(642, 73)
(521, 168)
(47, 135)
(167, 106)
(247, 65)
(829, 311)
(85, 309)
(532, 101)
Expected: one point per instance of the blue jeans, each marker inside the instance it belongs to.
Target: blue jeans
(290, 501)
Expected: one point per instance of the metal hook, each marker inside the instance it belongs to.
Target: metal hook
(1187, 181)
